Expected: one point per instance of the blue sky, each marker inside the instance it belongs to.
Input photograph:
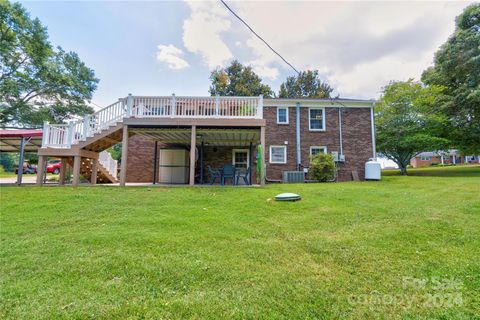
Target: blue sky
(165, 47)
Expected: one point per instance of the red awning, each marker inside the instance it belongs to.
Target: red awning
(10, 140)
(19, 133)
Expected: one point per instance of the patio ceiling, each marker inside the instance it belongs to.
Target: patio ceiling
(211, 137)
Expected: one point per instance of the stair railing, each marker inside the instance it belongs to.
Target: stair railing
(65, 135)
(110, 164)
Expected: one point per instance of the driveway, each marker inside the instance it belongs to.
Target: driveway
(27, 178)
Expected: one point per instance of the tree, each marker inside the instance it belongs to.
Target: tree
(306, 85)
(457, 68)
(37, 82)
(237, 80)
(404, 124)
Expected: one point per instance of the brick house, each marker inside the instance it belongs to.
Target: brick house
(426, 159)
(158, 133)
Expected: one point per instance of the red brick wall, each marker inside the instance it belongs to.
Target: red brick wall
(357, 145)
(140, 159)
(357, 139)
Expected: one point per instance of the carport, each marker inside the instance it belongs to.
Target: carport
(21, 141)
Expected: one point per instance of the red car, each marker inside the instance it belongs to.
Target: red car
(53, 166)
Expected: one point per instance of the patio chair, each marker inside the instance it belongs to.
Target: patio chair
(228, 172)
(214, 174)
(245, 175)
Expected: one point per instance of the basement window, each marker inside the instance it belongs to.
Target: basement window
(282, 115)
(316, 150)
(278, 154)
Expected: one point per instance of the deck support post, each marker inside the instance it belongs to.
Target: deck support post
(155, 162)
(192, 155)
(93, 176)
(201, 162)
(63, 170)
(40, 170)
(76, 170)
(250, 156)
(262, 143)
(123, 167)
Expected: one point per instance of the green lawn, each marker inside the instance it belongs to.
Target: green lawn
(4, 174)
(345, 251)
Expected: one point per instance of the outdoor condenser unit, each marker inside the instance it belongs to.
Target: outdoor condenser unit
(293, 177)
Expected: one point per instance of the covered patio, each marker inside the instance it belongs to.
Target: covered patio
(20, 141)
(220, 155)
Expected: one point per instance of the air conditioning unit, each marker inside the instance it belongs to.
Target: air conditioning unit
(293, 177)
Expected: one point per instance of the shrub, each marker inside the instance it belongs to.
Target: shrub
(322, 167)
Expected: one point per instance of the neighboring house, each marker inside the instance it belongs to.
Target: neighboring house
(426, 159)
(221, 130)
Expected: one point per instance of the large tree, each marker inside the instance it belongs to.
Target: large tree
(38, 82)
(237, 80)
(404, 124)
(307, 84)
(457, 67)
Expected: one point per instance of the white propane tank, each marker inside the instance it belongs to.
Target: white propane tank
(373, 170)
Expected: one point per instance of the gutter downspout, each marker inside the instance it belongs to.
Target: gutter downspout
(297, 120)
(372, 121)
(340, 129)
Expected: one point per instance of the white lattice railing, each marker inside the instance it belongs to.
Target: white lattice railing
(64, 135)
(110, 164)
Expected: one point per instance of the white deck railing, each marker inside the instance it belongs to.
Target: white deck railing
(64, 135)
(106, 160)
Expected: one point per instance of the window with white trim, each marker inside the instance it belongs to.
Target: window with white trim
(316, 119)
(317, 149)
(282, 115)
(425, 158)
(278, 154)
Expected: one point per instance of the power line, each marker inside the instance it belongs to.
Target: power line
(253, 31)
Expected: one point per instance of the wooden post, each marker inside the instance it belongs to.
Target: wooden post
(123, 167)
(262, 143)
(63, 170)
(192, 155)
(155, 162)
(201, 162)
(40, 170)
(93, 176)
(76, 170)
(250, 155)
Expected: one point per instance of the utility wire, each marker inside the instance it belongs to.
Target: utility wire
(253, 31)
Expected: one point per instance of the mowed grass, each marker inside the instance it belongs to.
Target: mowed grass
(438, 171)
(342, 252)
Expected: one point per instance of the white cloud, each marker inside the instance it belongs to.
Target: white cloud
(171, 56)
(202, 33)
(358, 46)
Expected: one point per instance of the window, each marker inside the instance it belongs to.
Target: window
(278, 154)
(282, 115)
(316, 119)
(425, 158)
(315, 150)
(240, 158)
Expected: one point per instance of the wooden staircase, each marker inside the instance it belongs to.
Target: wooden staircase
(103, 174)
